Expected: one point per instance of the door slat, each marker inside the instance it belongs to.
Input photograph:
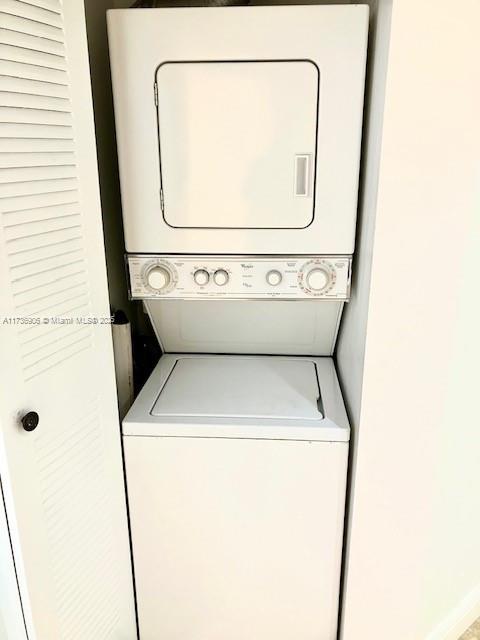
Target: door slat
(36, 145)
(31, 12)
(44, 214)
(33, 72)
(33, 87)
(37, 188)
(31, 56)
(35, 116)
(36, 173)
(23, 100)
(34, 202)
(42, 159)
(28, 130)
(34, 43)
(30, 27)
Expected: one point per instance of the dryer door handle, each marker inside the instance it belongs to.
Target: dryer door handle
(302, 174)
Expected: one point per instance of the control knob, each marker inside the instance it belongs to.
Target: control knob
(274, 277)
(201, 277)
(318, 279)
(220, 277)
(158, 278)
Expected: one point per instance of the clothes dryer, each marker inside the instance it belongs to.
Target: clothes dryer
(239, 128)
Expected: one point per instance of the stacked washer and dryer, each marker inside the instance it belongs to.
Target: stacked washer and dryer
(239, 135)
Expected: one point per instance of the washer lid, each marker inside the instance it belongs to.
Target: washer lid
(236, 387)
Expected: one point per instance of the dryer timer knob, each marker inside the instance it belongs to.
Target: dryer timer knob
(158, 278)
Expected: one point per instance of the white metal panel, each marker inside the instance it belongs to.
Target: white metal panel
(232, 387)
(63, 483)
(230, 134)
(306, 327)
(236, 539)
(243, 277)
(333, 37)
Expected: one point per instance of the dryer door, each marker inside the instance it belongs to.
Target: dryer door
(237, 143)
(239, 130)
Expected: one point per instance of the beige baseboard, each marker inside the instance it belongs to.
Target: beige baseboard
(458, 620)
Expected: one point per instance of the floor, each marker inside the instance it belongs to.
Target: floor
(473, 633)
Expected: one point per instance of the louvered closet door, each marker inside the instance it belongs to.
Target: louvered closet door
(63, 482)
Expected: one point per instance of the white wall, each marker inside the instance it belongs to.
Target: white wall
(413, 560)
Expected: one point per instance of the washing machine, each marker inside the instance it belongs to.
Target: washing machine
(238, 133)
(236, 469)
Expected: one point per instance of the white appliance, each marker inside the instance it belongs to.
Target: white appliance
(239, 128)
(239, 140)
(236, 470)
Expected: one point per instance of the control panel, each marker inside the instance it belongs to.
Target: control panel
(237, 277)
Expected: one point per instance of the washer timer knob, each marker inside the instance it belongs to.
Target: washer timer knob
(220, 277)
(158, 278)
(201, 277)
(318, 279)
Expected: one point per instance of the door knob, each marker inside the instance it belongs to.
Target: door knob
(30, 421)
